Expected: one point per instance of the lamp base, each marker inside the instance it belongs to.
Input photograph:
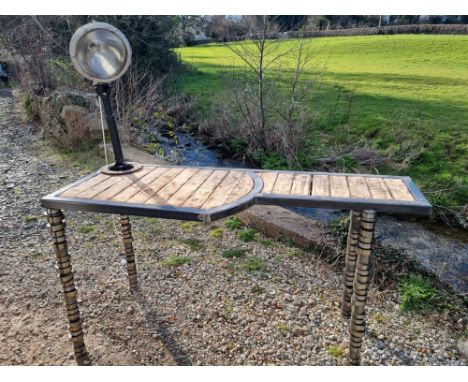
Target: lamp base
(133, 167)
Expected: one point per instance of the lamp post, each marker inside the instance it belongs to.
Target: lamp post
(101, 53)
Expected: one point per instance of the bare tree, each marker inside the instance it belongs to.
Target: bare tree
(290, 131)
(137, 97)
(259, 54)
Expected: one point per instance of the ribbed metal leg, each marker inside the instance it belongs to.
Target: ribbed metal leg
(129, 254)
(56, 221)
(361, 283)
(350, 262)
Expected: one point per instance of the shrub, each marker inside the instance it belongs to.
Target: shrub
(247, 234)
(254, 263)
(416, 294)
(85, 228)
(233, 223)
(194, 244)
(234, 252)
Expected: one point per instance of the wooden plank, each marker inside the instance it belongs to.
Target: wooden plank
(92, 191)
(378, 189)
(121, 183)
(321, 185)
(179, 198)
(151, 189)
(221, 194)
(339, 187)
(283, 183)
(398, 189)
(358, 187)
(139, 185)
(302, 184)
(242, 188)
(75, 190)
(206, 189)
(172, 187)
(269, 179)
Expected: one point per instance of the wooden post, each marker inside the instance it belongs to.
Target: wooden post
(350, 262)
(129, 254)
(361, 283)
(56, 221)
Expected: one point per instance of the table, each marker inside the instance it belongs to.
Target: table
(208, 194)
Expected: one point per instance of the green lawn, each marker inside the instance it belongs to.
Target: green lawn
(410, 100)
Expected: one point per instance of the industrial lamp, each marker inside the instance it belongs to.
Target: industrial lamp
(102, 54)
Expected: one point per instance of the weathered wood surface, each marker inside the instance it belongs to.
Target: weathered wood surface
(180, 191)
(168, 186)
(334, 185)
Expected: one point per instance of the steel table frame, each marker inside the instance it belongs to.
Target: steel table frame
(358, 252)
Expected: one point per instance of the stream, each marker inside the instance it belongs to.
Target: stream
(439, 252)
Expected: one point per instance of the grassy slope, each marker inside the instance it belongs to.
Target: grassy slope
(411, 94)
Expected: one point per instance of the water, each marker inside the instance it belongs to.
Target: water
(190, 151)
(440, 253)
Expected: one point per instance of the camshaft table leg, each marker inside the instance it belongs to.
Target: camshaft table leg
(361, 284)
(129, 254)
(56, 221)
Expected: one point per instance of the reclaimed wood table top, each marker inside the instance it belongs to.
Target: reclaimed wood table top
(173, 192)
(206, 194)
(397, 194)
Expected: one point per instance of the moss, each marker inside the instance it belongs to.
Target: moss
(176, 261)
(189, 226)
(86, 228)
(335, 351)
(217, 232)
(234, 253)
(30, 218)
(257, 289)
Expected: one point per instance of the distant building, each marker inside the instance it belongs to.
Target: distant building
(196, 34)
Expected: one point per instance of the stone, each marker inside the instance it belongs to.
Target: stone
(463, 348)
(75, 119)
(71, 113)
(95, 129)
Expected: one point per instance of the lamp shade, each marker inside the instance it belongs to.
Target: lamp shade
(100, 52)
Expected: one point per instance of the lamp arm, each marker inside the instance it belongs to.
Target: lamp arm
(103, 90)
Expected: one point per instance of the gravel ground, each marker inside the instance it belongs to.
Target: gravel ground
(212, 311)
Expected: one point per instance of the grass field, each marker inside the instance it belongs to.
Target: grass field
(410, 100)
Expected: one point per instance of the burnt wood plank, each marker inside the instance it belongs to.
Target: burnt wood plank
(358, 187)
(243, 187)
(283, 183)
(206, 189)
(269, 180)
(302, 184)
(152, 188)
(339, 187)
(161, 196)
(140, 184)
(398, 189)
(221, 194)
(122, 182)
(378, 189)
(74, 191)
(321, 185)
(179, 198)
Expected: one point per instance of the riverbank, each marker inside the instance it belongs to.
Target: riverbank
(443, 253)
(273, 305)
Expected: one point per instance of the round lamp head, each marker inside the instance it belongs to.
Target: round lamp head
(100, 52)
